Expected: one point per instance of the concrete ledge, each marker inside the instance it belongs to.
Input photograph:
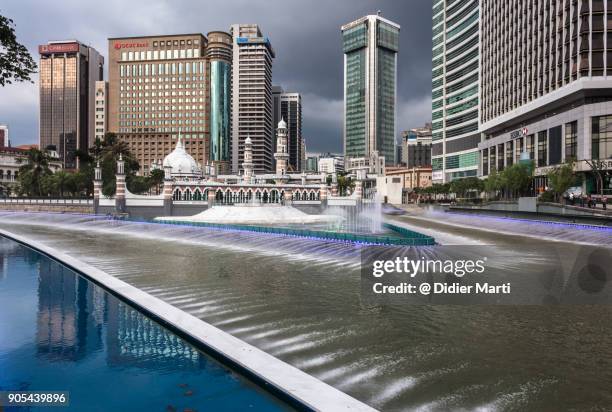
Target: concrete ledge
(304, 390)
(593, 219)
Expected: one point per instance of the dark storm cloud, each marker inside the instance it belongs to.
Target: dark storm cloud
(304, 34)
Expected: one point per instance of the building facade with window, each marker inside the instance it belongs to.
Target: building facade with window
(291, 111)
(68, 72)
(101, 106)
(546, 82)
(455, 89)
(219, 55)
(252, 107)
(416, 147)
(160, 86)
(370, 45)
(4, 135)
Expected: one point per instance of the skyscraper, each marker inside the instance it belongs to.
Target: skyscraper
(68, 74)
(101, 102)
(546, 87)
(4, 137)
(252, 108)
(158, 87)
(219, 54)
(416, 147)
(455, 90)
(291, 111)
(370, 46)
(277, 91)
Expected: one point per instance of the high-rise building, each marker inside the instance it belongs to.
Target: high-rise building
(219, 55)
(277, 91)
(370, 46)
(416, 147)
(455, 89)
(331, 163)
(101, 104)
(312, 163)
(68, 74)
(158, 87)
(546, 87)
(302, 153)
(4, 136)
(252, 108)
(291, 111)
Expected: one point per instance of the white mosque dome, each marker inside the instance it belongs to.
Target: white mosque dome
(181, 162)
(282, 124)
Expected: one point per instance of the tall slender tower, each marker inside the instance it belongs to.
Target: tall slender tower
(252, 114)
(247, 165)
(291, 112)
(455, 90)
(281, 155)
(219, 54)
(68, 74)
(370, 46)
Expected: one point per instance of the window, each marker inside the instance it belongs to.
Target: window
(500, 157)
(530, 147)
(542, 149)
(509, 152)
(571, 138)
(601, 137)
(485, 162)
(518, 149)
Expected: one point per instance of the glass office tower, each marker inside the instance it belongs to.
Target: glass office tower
(68, 74)
(455, 89)
(219, 53)
(370, 46)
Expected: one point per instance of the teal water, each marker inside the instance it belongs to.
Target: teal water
(61, 332)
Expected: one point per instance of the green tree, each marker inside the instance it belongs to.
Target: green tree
(345, 185)
(16, 64)
(107, 152)
(462, 187)
(32, 172)
(156, 179)
(560, 179)
(516, 179)
(493, 183)
(61, 180)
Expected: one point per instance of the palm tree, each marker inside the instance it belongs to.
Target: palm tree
(35, 168)
(62, 179)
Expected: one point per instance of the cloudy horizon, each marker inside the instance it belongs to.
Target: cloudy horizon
(305, 36)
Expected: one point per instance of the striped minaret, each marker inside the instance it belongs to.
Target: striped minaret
(120, 189)
(168, 186)
(97, 186)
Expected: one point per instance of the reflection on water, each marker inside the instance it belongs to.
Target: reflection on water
(300, 301)
(106, 354)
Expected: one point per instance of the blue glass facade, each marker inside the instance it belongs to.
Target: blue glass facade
(220, 107)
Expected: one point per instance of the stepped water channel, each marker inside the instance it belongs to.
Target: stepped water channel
(299, 300)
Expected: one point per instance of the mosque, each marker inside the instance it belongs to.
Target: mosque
(186, 183)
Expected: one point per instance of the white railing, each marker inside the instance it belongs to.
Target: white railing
(15, 200)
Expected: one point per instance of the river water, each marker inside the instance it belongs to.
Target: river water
(299, 300)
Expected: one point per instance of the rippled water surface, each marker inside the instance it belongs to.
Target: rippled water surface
(60, 332)
(299, 300)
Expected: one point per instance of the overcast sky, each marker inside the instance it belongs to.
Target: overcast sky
(305, 35)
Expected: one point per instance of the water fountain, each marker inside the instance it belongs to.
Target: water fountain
(254, 213)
